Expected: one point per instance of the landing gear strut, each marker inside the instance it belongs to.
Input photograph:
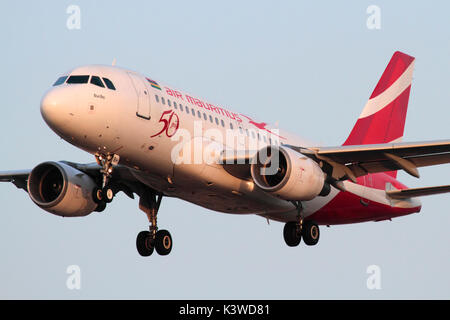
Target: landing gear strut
(294, 231)
(148, 241)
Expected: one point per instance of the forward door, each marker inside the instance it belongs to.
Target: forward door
(143, 96)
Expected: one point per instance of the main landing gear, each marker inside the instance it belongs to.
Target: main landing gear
(294, 231)
(148, 241)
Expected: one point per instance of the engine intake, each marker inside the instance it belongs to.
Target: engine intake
(61, 189)
(288, 174)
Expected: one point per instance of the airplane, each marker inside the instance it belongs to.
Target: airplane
(154, 141)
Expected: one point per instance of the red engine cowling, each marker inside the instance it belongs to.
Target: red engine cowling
(61, 189)
(288, 174)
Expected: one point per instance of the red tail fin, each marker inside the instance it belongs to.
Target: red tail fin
(383, 118)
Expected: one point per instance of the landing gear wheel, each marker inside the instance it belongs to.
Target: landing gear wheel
(100, 206)
(310, 233)
(163, 242)
(108, 194)
(97, 195)
(144, 243)
(291, 234)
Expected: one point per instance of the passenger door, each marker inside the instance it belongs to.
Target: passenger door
(143, 96)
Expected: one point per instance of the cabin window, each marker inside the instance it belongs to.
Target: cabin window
(156, 98)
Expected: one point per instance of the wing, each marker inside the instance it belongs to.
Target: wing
(19, 178)
(122, 178)
(350, 162)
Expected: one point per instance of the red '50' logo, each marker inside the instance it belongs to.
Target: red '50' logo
(171, 123)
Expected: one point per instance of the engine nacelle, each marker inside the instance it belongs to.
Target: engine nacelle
(61, 189)
(296, 177)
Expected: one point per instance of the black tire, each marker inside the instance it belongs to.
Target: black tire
(290, 234)
(163, 242)
(108, 194)
(97, 195)
(144, 244)
(100, 206)
(310, 233)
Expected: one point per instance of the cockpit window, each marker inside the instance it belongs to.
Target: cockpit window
(109, 84)
(78, 79)
(97, 81)
(60, 80)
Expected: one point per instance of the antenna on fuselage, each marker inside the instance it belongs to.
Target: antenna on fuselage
(113, 62)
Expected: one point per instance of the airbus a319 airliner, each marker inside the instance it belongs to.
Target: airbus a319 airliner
(154, 141)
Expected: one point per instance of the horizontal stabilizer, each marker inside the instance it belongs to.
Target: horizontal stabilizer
(417, 192)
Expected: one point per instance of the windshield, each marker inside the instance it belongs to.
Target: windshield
(60, 80)
(78, 79)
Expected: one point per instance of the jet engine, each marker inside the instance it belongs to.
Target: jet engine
(288, 174)
(61, 189)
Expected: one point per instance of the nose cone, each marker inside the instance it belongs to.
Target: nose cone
(52, 109)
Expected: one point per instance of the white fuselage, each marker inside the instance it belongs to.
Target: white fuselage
(151, 127)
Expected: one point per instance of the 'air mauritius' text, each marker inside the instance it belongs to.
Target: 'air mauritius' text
(201, 104)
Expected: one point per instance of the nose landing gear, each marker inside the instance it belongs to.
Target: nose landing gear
(105, 193)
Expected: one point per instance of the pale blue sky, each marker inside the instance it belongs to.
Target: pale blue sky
(310, 65)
